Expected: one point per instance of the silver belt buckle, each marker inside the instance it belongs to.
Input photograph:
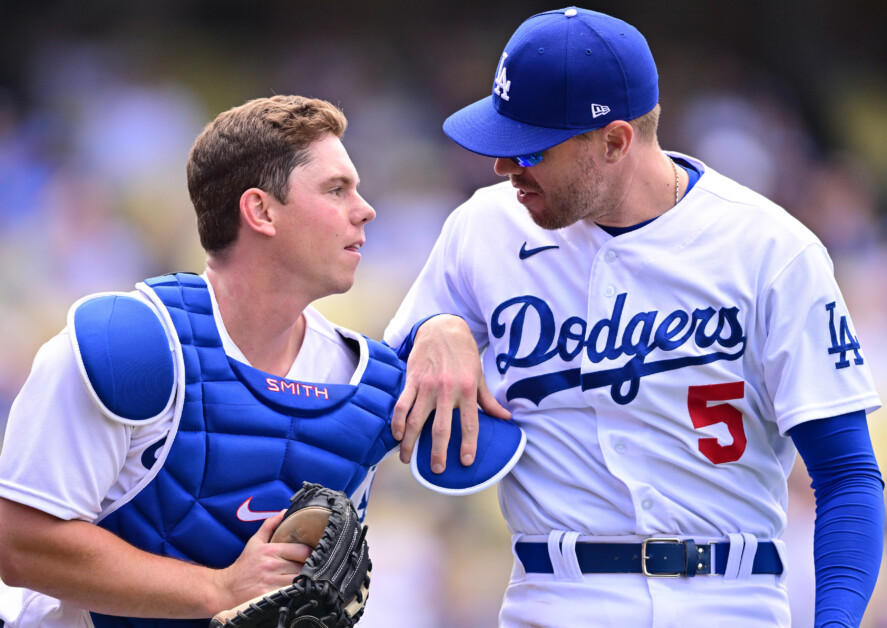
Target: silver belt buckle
(644, 556)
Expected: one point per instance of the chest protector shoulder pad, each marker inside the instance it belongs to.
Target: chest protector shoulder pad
(124, 357)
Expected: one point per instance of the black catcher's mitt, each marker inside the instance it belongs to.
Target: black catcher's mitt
(332, 588)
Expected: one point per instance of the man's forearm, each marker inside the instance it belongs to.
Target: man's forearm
(849, 534)
(87, 566)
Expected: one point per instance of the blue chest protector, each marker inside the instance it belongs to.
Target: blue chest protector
(245, 440)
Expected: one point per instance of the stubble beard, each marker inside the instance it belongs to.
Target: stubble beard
(585, 199)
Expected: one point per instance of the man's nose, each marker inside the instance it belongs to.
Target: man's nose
(505, 166)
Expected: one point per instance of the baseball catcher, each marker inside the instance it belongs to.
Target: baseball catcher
(332, 588)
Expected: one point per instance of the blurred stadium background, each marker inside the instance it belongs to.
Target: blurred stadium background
(100, 101)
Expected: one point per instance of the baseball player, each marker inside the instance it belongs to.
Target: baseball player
(667, 339)
(152, 449)
(146, 448)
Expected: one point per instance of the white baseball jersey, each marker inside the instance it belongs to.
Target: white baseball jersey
(656, 375)
(61, 455)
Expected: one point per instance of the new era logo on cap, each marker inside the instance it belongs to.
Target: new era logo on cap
(599, 110)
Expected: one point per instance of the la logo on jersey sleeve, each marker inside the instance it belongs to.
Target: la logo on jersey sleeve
(843, 340)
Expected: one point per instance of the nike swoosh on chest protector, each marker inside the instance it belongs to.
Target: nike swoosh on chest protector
(525, 252)
(245, 514)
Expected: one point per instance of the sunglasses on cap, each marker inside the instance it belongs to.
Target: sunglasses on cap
(528, 161)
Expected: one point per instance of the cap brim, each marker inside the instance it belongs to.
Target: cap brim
(499, 446)
(483, 130)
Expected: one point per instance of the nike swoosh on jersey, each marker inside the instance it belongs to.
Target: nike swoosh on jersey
(245, 514)
(525, 252)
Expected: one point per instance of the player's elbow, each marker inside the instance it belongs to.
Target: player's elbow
(16, 536)
(13, 564)
(11, 568)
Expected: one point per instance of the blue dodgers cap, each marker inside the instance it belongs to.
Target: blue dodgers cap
(562, 73)
(499, 446)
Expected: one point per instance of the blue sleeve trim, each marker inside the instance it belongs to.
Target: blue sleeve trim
(124, 357)
(848, 540)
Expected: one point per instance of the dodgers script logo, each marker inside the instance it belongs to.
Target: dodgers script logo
(717, 331)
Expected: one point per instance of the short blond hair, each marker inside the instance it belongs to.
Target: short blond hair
(647, 125)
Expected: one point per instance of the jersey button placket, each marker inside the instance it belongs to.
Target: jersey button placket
(603, 271)
(602, 290)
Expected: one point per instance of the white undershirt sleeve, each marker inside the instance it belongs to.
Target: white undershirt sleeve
(60, 454)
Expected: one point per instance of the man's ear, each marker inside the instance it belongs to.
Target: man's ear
(617, 137)
(255, 210)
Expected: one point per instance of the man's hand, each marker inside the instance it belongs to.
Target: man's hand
(332, 587)
(261, 567)
(443, 372)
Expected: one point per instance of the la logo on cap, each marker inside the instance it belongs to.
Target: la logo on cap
(502, 84)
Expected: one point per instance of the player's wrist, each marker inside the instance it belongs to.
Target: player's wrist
(446, 333)
(218, 594)
(444, 321)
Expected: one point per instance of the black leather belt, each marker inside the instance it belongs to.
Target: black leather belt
(655, 557)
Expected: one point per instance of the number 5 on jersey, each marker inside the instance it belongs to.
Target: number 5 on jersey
(704, 415)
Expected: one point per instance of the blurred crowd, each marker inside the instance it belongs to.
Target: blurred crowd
(94, 134)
